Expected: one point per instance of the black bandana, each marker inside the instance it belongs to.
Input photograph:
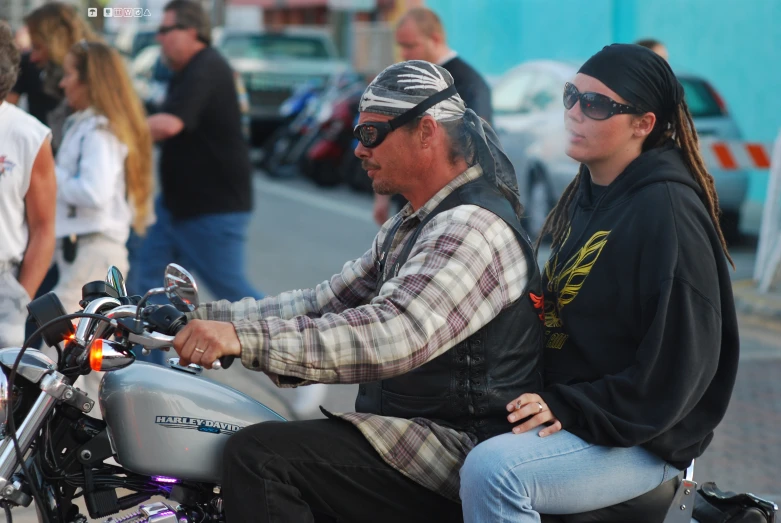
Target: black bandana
(640, 76)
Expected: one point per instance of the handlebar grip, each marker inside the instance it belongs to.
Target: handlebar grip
(174, 330)
(223, 363)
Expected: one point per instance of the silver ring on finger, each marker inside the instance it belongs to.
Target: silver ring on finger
(199, 350)
(541, 407)
(518, 405)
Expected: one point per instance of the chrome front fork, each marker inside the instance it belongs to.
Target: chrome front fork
(54, 389)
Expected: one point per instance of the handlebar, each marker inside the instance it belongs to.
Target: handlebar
(165, 321)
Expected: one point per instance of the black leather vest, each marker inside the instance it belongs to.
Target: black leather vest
(469, 386)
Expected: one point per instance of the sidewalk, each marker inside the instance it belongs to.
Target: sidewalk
(749, 301)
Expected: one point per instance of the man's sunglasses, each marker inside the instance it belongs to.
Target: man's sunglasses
(165, 29)
(372, 134)
(594, 105)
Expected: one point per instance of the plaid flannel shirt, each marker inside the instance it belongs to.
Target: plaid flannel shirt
(464, 269)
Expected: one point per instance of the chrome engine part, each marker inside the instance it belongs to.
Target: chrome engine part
(152, 513)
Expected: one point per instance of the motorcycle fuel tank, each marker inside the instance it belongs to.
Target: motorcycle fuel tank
(171, 423)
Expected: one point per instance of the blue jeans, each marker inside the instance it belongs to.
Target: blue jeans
(516, 477)
(212, 246)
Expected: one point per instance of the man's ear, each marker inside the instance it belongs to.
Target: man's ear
(644, 124)
(193, 32)
(427, 129)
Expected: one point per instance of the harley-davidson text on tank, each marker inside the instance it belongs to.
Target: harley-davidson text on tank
(202, 425)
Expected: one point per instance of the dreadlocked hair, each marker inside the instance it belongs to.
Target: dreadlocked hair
(681, 129)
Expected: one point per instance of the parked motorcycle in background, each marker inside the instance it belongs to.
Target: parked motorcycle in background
(323, 160)
(293, 111)
(289, 144)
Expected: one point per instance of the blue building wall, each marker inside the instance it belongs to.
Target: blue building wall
(736, 44)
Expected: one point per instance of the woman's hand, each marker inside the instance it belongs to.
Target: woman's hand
(532, 405)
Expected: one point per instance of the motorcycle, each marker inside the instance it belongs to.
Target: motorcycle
(294, 113)
(323, 161)
(165, 427)
(288, 147)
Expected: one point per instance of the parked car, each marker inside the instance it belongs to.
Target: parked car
(131, 40)
(150, 77)
(273, 63)
(529, 119)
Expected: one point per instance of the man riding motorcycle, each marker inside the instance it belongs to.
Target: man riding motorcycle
(439, 321)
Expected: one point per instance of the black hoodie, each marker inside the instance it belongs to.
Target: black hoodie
(641, 344)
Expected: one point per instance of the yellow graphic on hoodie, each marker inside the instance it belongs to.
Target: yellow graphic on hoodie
(564, 283)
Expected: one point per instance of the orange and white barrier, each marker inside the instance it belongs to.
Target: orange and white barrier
(733, 156)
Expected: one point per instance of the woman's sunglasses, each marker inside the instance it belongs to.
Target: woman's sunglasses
(594, 105)
(372, 134)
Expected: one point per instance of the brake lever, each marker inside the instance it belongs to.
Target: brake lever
(155, 340)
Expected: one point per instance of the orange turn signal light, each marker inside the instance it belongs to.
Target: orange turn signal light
(96, 354)
(106, 355)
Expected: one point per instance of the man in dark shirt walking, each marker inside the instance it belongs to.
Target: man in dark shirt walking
(206, 202)
(420, 36)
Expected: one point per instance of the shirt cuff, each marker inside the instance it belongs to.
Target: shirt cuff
(215, 311)
(561, 410)
(251, 338)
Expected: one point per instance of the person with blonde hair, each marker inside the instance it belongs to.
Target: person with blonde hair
(104, 169)
(53, 29)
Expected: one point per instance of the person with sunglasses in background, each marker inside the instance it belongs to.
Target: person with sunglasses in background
(420, 35)
(641, 336)
(205, 206)
(439, 322)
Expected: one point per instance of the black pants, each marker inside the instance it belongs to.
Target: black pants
(320, 471)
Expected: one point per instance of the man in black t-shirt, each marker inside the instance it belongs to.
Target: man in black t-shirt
(206, 202)
(421, 36)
